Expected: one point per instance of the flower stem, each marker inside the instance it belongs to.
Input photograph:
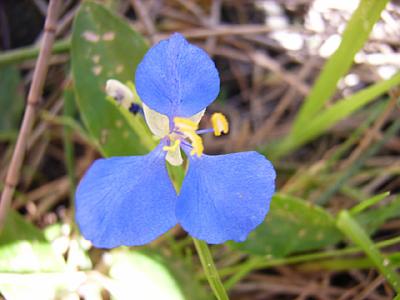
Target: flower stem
(210, 270)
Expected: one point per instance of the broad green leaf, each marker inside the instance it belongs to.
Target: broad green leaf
(30, 268)
(355, 35)
(24, 248)
(292, 225)
(43, 286)
(184, 274)
(77, 256)
(103, 47)
(11, 102)
(137, 275)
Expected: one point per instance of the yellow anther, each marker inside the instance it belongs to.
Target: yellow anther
(188, 128)
(174, 146)
(220, 124)
(197, 143)
(185, 125)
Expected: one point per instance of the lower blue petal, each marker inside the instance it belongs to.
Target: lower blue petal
(224, 197)
(126, 200)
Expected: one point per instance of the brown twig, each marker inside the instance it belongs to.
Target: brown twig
(283, 104)
(141, 10)
(194, 8)
(35, 91)
(370, 288)
(374, 132)
(263, 60)
(215, 18)
(220, 30)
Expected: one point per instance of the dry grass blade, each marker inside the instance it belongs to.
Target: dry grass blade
(35, 91)
(374, 132)
(145, 18)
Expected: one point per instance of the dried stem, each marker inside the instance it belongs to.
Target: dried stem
(374, 132)
(145, 18)
(35, 92)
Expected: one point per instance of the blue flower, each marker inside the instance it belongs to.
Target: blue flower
(131, 200)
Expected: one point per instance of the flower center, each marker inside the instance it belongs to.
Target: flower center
(186, 129)
(179, 132)
(173, 147)
(186, 133)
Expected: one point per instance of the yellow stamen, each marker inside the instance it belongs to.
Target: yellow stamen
(173, 147)
(188, 128)
(220, 124)
(197, 143)
(185, 124)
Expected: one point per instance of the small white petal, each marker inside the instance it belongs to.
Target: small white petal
(175, 157)
(158, 123)
(120, 92)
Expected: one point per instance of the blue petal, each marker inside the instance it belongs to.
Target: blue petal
(176, 78)
(126, 200)
(224, 197)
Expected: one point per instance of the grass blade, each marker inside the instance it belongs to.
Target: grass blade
(326, 119)
(353, 39)
(343, 108)
(355, 233)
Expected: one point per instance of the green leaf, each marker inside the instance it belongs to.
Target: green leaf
(104, 47)
(363, 205)
(30, 268)
(355, 35)
(343, 108)
(292, 225)
(22, 54)
(372, 219)
(24, 248)
(41, 285)
(184, 274)
(327, 118)
(349, 226)
(313, 119)
(11, 102)
(144, 276)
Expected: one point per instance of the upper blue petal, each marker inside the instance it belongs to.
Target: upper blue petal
(176, 78)
(126, 200)
(224, 197)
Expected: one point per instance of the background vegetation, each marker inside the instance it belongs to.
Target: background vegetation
(313, 85)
